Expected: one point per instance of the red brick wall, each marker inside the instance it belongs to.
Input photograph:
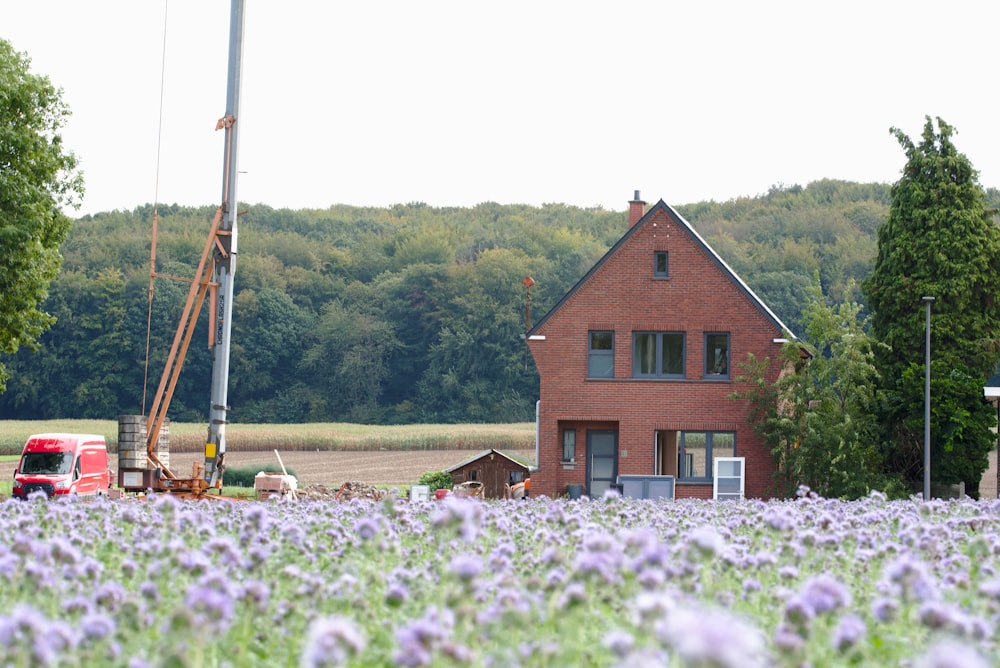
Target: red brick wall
(622, 295)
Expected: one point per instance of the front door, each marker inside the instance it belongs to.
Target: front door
(602, 461)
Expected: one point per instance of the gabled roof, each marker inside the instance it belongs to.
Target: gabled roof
(672, 213)
(482, 454)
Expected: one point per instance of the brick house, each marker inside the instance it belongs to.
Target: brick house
(636, 362)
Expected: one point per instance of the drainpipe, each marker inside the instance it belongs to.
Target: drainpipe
(538, 410)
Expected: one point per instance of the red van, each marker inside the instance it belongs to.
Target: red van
(59, 464)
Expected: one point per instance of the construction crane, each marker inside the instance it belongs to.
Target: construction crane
(213, 280)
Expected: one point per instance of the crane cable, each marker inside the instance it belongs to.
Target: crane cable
(156, 199)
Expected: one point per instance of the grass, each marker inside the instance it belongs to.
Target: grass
(190, 437)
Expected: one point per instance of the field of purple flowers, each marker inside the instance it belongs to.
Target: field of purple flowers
(608, 582)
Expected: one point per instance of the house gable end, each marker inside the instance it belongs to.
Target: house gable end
(656, 211)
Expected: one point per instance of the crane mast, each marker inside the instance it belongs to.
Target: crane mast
(213, 280)
(224, 265)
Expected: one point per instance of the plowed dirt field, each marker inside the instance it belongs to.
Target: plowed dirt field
(330, 468)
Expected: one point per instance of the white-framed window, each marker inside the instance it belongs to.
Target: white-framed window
(728, 479)
(601, 354)
(658, 355)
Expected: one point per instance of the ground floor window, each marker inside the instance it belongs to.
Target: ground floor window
(569, 445)
(697, 451)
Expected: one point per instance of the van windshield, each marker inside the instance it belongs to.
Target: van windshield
(46, 463)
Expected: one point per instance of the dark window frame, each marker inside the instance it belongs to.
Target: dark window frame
(663, 272)
(709, 464)
(659, 355)
(569, 445)
(600, 354)
(717, 369)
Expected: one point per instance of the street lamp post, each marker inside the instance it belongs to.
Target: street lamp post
(927, 400)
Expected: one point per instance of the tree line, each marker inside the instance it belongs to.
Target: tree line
(398, 314)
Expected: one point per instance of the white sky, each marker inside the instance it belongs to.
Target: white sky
(373, 102)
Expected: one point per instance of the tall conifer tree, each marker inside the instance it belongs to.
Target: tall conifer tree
(940, 240)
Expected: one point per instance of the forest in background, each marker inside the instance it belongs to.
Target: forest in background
(388, 315)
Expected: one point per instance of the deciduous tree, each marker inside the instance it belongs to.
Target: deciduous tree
(818, 417)
(37, 177)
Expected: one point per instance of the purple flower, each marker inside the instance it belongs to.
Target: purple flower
(799, 613)
(255, 593)
(704, 637)
(788, 640)
(952, 654)
(331, 642)
(825, 594)
(420, 638)
(97, 626)
(463, 514)
(936, 615)
(645, 657)
(991, 589)
(848, 633)
(366, 528)
(574, 594)
(910, 579)
(109, 596)
(619, 642)
(214, 609)
(466, 566)
(396, 593)
(706, 541)
(885, 609)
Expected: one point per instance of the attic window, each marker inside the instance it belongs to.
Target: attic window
(601, 354)
(660, 264)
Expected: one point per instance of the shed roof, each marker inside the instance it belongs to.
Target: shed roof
(483, 454)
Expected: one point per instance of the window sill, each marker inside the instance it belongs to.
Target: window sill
(568, 465)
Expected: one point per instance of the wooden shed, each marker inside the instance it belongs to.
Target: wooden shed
(494, 469)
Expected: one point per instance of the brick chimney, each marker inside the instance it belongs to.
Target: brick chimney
(636, 210)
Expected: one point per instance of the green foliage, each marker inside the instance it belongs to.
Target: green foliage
(818, 417)
(37, 177)
(778, 241)
(244, 476)
(394, 315)
(940, 240)
(436, 480)
(960, 425)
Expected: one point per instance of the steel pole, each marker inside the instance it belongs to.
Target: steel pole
(927, 400)
(225, 258)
